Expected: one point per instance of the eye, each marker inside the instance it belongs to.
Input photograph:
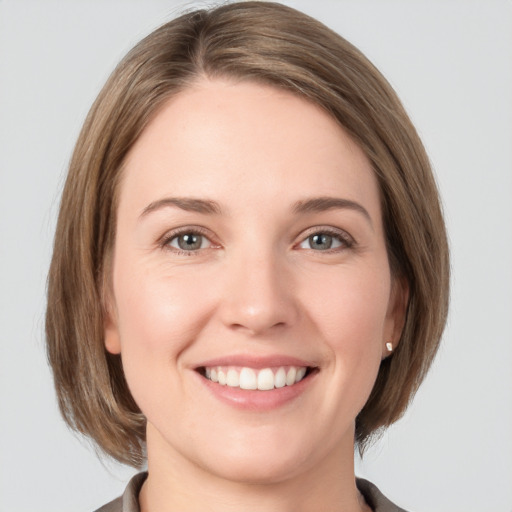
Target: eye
(188, 241)
(325, 241)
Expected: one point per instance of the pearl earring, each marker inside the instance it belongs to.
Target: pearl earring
(389, 346)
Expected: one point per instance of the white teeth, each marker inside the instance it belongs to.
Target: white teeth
(290, 376)
(233, 378)
(280, 378)
(300, 374)
(248, 378)
(266, 379)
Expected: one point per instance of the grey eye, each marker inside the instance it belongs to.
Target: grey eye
(189, 242)
(321, 242)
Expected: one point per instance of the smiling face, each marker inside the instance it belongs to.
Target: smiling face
(252, 296)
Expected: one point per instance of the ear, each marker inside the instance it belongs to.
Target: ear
(111, 338)
(110, 326)
(395, 316)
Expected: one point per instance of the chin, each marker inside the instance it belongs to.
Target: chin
(258, 470)
(268, 457)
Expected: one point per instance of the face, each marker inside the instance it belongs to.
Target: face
(251, 296)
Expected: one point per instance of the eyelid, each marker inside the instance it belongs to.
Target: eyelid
(341, 234)
(164, 240)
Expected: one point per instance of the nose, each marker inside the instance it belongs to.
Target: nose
(259, 294)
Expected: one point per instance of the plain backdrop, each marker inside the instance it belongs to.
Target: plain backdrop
(451, 63)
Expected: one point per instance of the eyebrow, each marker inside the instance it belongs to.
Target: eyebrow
(320, 204)
(209, 207)
(188, 204)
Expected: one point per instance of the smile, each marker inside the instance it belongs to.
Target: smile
(264, 379)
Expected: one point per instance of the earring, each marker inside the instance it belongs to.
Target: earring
(389, 346)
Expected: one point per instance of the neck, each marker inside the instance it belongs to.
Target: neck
(176, 483)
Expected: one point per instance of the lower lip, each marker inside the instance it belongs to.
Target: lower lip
(256, 400)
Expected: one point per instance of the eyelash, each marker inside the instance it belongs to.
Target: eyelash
(342, 236)
(165, 241)
(346, 240)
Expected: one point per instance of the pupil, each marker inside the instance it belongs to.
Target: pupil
(320, 241)
(189, 241)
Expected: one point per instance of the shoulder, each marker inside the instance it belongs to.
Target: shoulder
(375, 499)
(114, 506)
(129, 501)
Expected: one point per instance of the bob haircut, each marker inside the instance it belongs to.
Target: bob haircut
(271, 44)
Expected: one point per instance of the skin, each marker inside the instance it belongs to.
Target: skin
(256, 287)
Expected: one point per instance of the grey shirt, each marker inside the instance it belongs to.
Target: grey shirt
(129, 502)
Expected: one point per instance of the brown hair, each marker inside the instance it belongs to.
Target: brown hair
(271, 44)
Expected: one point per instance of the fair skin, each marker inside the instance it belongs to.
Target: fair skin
(250, 241)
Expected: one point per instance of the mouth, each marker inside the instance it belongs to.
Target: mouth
(261, 379)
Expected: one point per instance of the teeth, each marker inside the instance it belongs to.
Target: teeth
(266, 379)
(233, 378)
(248, 378)
(290, 376)
(280, 378)
(300, 374)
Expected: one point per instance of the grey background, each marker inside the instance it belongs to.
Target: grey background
(451, 63)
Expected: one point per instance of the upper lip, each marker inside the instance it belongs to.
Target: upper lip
(256, 362)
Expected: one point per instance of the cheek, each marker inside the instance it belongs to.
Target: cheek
(351, 316)
(159, 316)
(351, 310)
(158, 302)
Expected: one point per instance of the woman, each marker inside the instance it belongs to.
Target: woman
(250, 272)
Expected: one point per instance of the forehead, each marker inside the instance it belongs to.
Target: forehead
(245, 142)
